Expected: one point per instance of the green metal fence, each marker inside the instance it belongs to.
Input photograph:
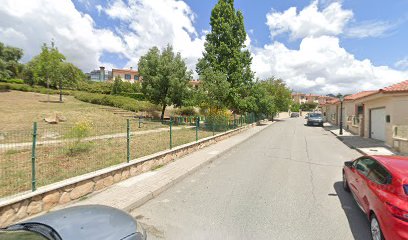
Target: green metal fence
(47, 153)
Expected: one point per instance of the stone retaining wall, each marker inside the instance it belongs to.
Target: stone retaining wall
(25, 205)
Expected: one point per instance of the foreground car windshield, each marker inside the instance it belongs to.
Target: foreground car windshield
(20, 235)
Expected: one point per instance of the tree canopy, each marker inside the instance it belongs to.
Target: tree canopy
(225, 54)
(165, 77)
(9, 62)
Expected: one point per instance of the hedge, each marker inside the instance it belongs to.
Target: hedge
(37, 89)
(13, 80)
(116, 101)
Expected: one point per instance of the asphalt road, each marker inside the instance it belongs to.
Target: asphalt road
(283, 183)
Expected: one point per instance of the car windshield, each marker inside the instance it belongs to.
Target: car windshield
(21, 235)
(315, 115)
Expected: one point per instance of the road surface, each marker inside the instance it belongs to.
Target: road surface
(283, 183)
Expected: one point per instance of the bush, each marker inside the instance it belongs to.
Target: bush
(95, 87)
(4, 88)
(116, 101)
(37, 89)
(217, 120)
(81, 130)
(13, 80)
(186, 111)
(137, 96)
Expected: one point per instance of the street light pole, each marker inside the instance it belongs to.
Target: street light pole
(341, 115)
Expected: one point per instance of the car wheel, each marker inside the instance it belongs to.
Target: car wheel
(376, 233)
(345, 183)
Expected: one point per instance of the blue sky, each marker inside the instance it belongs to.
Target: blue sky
(319, 46)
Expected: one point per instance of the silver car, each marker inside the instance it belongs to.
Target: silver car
(90, 222)
(315, 119)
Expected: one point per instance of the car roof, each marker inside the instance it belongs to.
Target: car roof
(395, 164)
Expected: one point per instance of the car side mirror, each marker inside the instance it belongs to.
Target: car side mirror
(349, 164)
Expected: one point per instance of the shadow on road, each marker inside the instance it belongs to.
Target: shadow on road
(358, 222)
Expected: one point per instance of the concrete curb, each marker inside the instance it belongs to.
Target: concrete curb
(150, 195)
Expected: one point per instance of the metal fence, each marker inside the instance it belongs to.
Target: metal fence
(50, 153)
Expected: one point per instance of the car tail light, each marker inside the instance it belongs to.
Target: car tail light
(397, 212)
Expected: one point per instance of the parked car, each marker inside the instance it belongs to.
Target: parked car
(294, 115)
(89, 222)
(379, 185)
(315, 119)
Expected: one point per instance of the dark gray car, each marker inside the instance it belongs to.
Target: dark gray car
(90, 222)
(315, 119)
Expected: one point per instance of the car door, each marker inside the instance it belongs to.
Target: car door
(358, 180)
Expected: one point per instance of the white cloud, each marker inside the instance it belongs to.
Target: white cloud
(321, 65)
(29, 24)
(402, 64)
(157, 23)
(369, 29)
(309, 21)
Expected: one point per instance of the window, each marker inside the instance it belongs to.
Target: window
(136, 77)
(373, 170)
(128, 76)
(379, 174)
(362, 165)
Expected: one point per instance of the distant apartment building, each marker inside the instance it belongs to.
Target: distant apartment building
(128, 75)
(99, 75)
(309, 98)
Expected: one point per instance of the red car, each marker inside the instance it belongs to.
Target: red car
(379, 185)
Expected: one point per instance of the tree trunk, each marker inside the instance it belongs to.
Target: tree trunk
(48, 90)
(60, 89)
(162, 114)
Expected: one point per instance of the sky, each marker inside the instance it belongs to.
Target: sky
(315, 46)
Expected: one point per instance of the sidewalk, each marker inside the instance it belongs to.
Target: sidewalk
(366, 146)
(132, 193)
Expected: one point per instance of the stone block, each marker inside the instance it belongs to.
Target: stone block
(82, 189)
(34, 207)
(51, 200)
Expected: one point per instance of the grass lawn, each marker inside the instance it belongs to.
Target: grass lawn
(18, 111)
(56, 162)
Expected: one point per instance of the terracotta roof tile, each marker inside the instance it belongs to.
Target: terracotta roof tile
(360, 95)
(399, 87)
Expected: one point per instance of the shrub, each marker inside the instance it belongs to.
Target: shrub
(186, 111)
(217, 119)
(137, 96)
(4, 88)
(13, 80)
(79, 131)
(116, 101)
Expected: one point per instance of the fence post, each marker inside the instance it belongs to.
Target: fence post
(235, 123)
(33, 156)
(171, 137)
(128, 141)
(197, 122)
(213, 128)
(140, 119)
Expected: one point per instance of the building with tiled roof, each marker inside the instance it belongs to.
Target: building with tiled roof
(379, 114)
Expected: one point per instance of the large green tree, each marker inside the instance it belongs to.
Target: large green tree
(165, 77)
(49, 68)
(9, 62)
(282, 97)
(225, 53)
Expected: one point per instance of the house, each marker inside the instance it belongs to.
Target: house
(128, 75)
(309, 98)
(381, 114)
(99, 75)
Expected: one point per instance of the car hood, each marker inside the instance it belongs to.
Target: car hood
(89, 222)
(315, 119)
